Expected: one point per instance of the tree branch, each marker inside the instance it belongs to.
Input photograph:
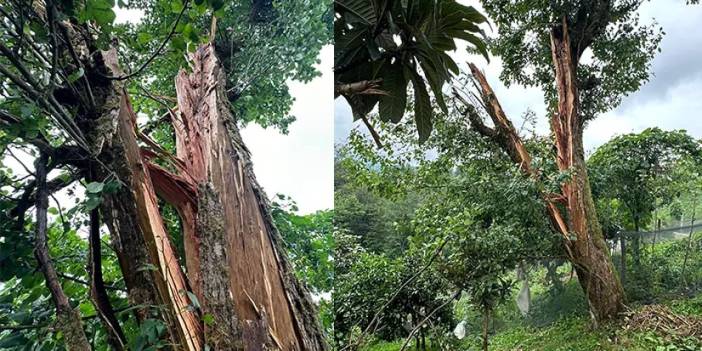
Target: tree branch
(186, 3)
(431, 314)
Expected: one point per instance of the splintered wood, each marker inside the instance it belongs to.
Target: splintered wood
(234, 262)
(171, 283)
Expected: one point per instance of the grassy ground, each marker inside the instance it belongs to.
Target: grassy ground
(573, 333)
(559, 321)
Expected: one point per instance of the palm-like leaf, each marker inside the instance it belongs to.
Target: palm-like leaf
(399, 41)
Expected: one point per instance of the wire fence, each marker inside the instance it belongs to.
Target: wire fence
(669, 233)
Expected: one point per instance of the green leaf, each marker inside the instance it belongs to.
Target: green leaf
(436, 76)
(422, 108)
(358, 11)
(76, 75)
(215, 4)
(392, 106)
(208, 319)
(190, 33)
(92, 203)
(94, 187)
(99, 11)
(193, 299)
(178, 43)
(176, 6)
(111, 187)
(144, 37)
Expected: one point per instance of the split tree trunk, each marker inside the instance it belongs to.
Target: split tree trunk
(590, 254)
(151, 271)
(235, 263)
(584, 242)
(235, 260)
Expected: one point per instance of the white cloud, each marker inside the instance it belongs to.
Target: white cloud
(300, 164)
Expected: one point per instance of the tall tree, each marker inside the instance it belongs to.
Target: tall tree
(542, 43)
(58, 63)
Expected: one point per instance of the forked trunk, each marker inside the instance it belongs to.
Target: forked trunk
(235, 263)
(582, 235)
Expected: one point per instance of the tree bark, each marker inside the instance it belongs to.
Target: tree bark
(67, 319)
(170, 281)
(622, 258)
(591, 256)
(254, 298)
(150, 267)
(486, 327)
(636, 243)
(583, 239)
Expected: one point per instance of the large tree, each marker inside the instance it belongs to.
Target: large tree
(68, 75)
(543, 43)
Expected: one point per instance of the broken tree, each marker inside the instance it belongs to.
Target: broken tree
(239, 290)
(236, 266)
(583, 239)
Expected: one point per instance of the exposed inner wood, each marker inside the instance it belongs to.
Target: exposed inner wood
(232, 223)
(587, 249)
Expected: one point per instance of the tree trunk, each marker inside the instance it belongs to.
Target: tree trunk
(689, 244)
(255, 295)
(590, 253)
(583, 239)
(486, 327)
(636, 243)
(236, 265)
(67, 319)
(151, 271)
(622, 258)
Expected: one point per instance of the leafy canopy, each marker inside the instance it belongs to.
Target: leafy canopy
(639, 169)
(611, 49)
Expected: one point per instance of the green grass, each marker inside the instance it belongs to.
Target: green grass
(559, 321)
(573, 333)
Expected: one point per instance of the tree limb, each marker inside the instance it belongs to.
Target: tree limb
(420, 324)
(98, 293)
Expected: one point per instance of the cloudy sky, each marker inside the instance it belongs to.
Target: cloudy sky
(672, 99)
(300, 164)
